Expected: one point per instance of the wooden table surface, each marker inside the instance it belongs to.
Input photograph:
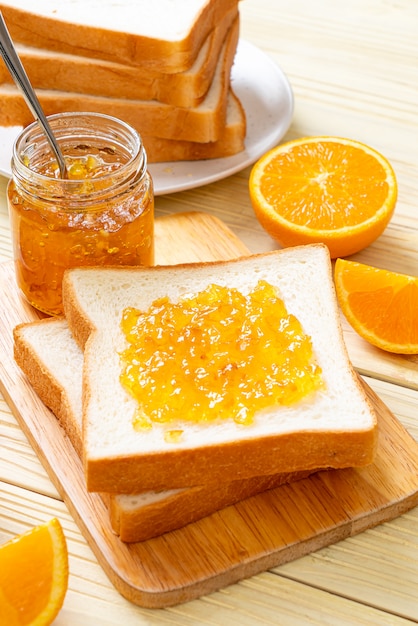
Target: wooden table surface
(353, 70)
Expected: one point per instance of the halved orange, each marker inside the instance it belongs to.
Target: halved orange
(33, 576)
(381, 306)
(324, 189)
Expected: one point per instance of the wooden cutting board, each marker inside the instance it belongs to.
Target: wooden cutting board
(259, 533)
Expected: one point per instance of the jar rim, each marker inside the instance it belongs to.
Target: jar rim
(65, 126)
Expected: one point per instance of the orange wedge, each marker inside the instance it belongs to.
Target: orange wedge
(323, 189)
(33, 576)
(381, 306)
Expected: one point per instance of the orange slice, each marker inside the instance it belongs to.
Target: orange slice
(33, 576)
(323, 189)
(381, 306)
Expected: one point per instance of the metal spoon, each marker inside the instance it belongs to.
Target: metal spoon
(16, 69)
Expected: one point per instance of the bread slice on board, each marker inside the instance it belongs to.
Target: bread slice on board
(203, 123)
(159, 34)
(335, 428)
(52, 361)
(74, 73)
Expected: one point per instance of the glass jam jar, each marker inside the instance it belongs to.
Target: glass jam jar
(102, 214)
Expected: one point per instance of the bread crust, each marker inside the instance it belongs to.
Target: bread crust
(202, 124)
(256, 457)
(79, 323)
(33, 29)
(74, 73)
(44, 383)
(190, 505)
(231, 142)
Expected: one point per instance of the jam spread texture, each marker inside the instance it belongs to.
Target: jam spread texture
(215, 355)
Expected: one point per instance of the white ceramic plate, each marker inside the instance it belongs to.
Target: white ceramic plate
(267, 98)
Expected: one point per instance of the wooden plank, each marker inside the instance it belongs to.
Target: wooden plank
(362, 566)
(401, 369)
(261, 532)
(267, 599)
(18, 464)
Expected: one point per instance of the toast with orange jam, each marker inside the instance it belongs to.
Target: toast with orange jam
(130, 444)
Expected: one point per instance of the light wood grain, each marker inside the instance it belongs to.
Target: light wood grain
(357, 568)
(262, 599)
(353, 69)
(370, 361)
(263, 531)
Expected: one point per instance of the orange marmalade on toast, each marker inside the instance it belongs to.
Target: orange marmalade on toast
(215, 355)
(101, 214)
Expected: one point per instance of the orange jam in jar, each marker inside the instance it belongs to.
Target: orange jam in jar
(215, 355)
(101, 214)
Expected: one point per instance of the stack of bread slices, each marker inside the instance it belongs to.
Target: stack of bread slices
(163, 67)
(153, 484)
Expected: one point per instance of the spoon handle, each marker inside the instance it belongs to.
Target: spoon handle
(16, 69)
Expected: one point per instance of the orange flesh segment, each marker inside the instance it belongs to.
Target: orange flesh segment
(312, 187)
(34, 575)
(381, 305)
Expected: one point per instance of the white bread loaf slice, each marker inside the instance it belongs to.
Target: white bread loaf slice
(52, 361)
(161, 34)
(231, 142)
(74, 73)
(335, 428)
(203, 123)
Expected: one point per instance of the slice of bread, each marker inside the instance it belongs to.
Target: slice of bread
(231, 142)
(48, 355)
(161, 35)
(204, 123)
(335, 428)
(74, 73)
